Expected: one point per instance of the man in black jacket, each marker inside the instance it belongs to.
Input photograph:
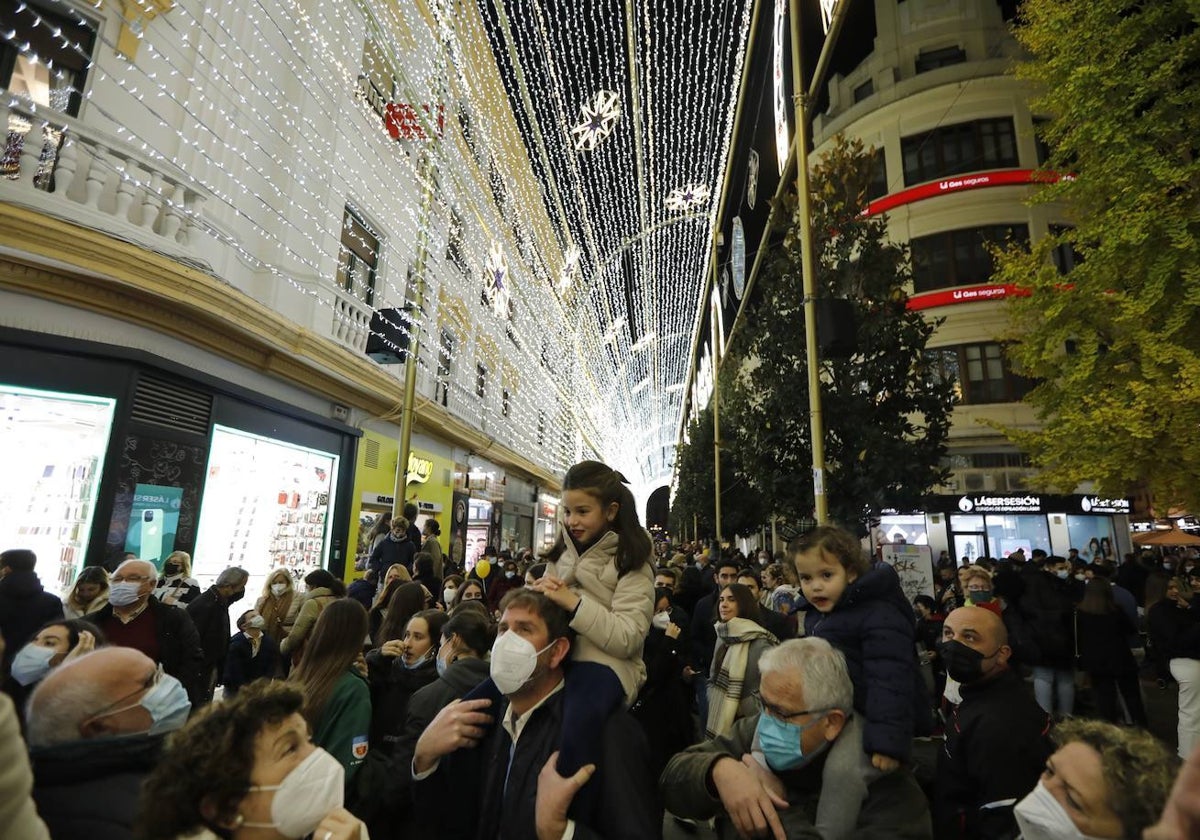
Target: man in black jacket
(24, 605)
(395, 548)
(135, 618)
(996, 740)
(478, 780)
(210, 614)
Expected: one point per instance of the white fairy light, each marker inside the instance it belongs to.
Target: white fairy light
(597, 119)
(687, 198)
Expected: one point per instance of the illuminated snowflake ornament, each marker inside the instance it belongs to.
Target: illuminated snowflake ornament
(685, 198)
(496, 280)
(597, 119)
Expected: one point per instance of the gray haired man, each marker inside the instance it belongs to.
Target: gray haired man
(797, 764)
(210, 614)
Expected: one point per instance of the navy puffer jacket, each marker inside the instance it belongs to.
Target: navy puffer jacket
(874, 627)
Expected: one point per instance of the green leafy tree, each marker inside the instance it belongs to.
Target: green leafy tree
(886, 414)
(743, 511)
(1114, 340)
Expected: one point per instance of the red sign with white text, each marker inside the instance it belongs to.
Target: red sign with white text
(973, 181)
(967, 294)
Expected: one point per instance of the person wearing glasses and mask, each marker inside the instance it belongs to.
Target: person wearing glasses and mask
(771, 776)
(96, 727)
(135, 618)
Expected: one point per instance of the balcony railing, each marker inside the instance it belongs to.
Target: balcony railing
(62, 167)
(351, 321)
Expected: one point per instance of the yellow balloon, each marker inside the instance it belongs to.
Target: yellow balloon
(483, 568)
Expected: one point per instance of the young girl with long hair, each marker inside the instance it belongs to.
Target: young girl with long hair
(337, 701)
(599, 570)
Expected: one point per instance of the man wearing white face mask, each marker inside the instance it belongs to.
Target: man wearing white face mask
(96, 727)
(480, 780)
(252, 654)
(135, 618)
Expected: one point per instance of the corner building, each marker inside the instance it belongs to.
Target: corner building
(954, 133)
(222, 227)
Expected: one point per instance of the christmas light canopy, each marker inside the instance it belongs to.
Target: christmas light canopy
(687, 198)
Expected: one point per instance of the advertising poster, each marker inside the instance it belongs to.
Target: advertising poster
(153, 522)
(914, 565)
(455, 537)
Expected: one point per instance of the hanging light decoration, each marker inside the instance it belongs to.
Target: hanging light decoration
(597, 119)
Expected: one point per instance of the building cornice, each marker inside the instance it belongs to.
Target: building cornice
(84, 268)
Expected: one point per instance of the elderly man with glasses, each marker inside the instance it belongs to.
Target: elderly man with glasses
(797, 768)
(135, 618)
(96, 727)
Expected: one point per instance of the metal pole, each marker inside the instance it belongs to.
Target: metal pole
(716, 397)
(407, 413)
(808, 268)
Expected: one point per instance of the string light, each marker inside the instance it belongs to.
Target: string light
(594, 280)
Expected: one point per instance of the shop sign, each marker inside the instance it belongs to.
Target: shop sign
(1000, 504)
(1096, 504)
(974, 181)
(419, 469)
(969, 294)
(378, 499)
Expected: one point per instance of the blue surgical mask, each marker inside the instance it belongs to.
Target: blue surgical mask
(168, 705)
(415, 665)
(124, 593)
(32, 663)
(781, 742)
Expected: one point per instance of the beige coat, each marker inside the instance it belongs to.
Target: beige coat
(614, 615)
(18, 814)
(315, 601)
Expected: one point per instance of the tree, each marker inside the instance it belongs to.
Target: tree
(886, 414)
(743, 510)
(1114, 339)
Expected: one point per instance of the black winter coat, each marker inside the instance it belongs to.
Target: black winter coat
(1104, 643)
(242, 667)
(210, 614)
(24, 607)
(704, 633)
(179, 650)
(1174, 630)
(1047, 607)
(874, 627)
(663, 704)
(996, 748)
(91, 788)
(392, 686)
(625, 801)
(389, 552)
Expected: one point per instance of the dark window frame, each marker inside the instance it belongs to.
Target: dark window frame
(481, 373)
(938, 261)
(864, 91)
(958, 149)
(929, 60)
(974, 367)
(352, 250)
(42, 41)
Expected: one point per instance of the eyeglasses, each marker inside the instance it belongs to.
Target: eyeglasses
(130, 578)
(112, 708)
(781, 714)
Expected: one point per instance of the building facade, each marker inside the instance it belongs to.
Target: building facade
(222, 229)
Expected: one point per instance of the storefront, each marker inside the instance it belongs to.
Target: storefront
(545, 528)
(428, 485)
(516, 523)
(995, 525)
(120, 451)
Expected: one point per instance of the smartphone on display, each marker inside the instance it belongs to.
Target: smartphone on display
(150, 547)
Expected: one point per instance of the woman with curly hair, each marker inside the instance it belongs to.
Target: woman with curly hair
(246, 769)
(1104, 782)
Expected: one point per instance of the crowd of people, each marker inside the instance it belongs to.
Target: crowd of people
(593, 690)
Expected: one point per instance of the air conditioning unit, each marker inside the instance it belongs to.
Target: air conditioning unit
(977, 481)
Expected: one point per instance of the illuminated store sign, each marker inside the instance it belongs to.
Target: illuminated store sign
(967, 294)
(974, 181)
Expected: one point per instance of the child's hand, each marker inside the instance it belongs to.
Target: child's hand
(556, 590)
(673, 630)
(884, 762)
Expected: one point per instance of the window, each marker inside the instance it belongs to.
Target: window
(505, 403)
(959, 257)
(982, 373)
(933, 59)
(1064, 255)
(878, 187)
(377, 83)
(455, 248)
(480, 380)
(45, 56)
(358, 257)
(864, 90)
(954, 149)
(445, 366)
(1043, 148)
(541, 428)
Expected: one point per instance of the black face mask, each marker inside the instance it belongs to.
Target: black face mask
(171, 569)
(963, 663)
(237, 596)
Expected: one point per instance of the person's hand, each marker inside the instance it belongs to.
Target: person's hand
(339, 825)
(554, 795)
(673, 630)
(751, 807)
(86, 644)
(689, 672)
(557, 590)
(392, 649)
(360, 665)
(461, 724)
(1181, 815)
(884, 762)
(770, 782)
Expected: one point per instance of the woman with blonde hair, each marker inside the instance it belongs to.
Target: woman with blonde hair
(176, 586)
(88, 594)
(278, 604)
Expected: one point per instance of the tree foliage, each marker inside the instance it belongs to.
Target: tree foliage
(1120, 82)
(742, 508)
(886, 415)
